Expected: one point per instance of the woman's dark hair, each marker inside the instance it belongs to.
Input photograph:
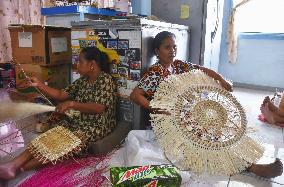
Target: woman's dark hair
(101, 58)
(159, 38)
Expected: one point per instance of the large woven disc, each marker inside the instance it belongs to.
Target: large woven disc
(210, 117)
(206, 128)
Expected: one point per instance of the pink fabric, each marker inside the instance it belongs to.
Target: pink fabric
(83, 172)
(16, 12)
(261, 118)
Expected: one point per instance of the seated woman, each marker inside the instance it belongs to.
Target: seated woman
(271, 113)
(93, 95)
(165, 50)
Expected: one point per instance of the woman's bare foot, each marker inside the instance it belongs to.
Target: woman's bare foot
(7, 171)
(271, 106)
(272, 170)
(266, 99)
(267, 114)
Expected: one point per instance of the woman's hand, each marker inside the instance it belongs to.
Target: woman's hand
(159, 111)
(227, 85)
(63, 107)
(30, 82)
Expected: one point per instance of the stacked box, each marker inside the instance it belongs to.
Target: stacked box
(41, 45)
(42, 51)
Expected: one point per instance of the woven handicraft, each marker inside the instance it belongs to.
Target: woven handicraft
(201, 126)
(54, 145)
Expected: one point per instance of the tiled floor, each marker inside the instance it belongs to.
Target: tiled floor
(271, 137)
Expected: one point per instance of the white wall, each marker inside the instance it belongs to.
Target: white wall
(213, 34)
(260, 61)
(169, 10)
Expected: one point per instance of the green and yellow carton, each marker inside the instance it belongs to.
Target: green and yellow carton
(145, 176)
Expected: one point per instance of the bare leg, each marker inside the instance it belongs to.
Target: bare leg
(32, 164)
(271, 106)
(281, 105)
(272, 170)
(279, 111)
(278, 119)
(8, 170)
(271, 117)
(275, 109)
(267, 113)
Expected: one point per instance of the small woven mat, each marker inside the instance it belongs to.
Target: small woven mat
(54, 145)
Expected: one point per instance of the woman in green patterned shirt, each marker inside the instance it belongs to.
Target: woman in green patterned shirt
(93, 96)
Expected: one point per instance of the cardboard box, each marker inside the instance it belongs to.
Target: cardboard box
(41, 45)
(54, 76)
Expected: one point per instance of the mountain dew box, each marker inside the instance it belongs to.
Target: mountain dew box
(145, 176)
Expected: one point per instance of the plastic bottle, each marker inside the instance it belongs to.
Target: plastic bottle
(277, 98)
(129, 7)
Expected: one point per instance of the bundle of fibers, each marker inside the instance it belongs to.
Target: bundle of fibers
(19, 110)
(203, 128)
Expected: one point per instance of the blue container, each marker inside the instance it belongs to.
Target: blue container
(64, 15)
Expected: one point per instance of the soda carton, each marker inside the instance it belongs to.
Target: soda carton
(146, 176)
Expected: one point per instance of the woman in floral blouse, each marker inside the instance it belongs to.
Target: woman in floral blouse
(165, 50)
(93, 96)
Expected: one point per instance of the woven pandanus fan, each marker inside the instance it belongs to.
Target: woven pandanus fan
(206, 128)
(55, 145)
